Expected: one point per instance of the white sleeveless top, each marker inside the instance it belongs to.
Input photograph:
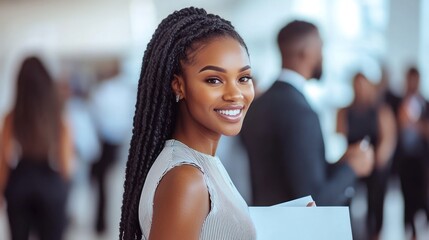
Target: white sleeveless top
(229, 214)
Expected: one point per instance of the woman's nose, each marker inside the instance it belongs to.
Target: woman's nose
(232, 92)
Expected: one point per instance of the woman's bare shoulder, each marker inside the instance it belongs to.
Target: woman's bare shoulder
(181, 204)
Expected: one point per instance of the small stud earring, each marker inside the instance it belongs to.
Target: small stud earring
(177, 98)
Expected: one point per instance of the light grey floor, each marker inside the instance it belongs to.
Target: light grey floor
(83, 206)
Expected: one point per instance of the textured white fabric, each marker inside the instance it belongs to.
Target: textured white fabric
(229, 215)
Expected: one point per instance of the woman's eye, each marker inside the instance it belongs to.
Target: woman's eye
(213, 81)
(245, 79)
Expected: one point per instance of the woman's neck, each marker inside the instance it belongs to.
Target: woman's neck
(196, 136)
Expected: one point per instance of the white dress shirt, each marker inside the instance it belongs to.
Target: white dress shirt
(293, 78)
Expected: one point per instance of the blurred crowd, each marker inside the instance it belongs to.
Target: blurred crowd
(387, 136)
(61, 134)
(397, 127)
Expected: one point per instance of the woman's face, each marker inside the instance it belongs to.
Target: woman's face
(216, 87)
(363, 89)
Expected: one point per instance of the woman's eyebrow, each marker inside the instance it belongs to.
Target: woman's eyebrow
(244, 68)
(214, 68)
(219, 69)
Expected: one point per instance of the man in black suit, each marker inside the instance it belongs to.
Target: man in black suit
(283, 137)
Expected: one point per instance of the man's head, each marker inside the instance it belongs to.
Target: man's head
(413, 81)
(301, 48)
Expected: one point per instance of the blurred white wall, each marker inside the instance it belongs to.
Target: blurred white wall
(424, 46)
(69, 29)
(403, 39)
(66, 27)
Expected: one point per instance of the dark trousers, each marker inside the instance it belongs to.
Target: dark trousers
(376, 190)
(98, 174)
(36, 201)
(413, 176)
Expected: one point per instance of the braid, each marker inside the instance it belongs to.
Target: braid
(156, 110)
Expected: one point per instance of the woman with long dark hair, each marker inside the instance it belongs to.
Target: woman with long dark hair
(366, 117)
(35, 157)
(195, 85)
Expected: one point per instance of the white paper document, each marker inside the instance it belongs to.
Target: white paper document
(291, 220)
(300, 202)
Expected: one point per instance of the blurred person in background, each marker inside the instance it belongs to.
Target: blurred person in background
(413, 153)
(36, 157)
(388, 97)
(385, 94)
(74, 92)
(368, 117)
(283, 137)
(111, 105)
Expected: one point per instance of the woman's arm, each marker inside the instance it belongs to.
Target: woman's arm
(181, 204)
(387, 140)
(66, 151)
(6, 146)
(341, 122)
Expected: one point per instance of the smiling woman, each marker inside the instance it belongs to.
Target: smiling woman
(217, 90)
(195, 86)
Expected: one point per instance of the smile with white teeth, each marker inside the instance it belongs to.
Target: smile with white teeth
(234, 112)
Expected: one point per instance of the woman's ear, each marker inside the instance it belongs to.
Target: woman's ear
(178, 86)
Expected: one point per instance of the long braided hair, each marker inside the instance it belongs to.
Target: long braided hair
(155, 115)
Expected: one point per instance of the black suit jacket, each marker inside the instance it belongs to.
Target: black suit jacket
(284, 141)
